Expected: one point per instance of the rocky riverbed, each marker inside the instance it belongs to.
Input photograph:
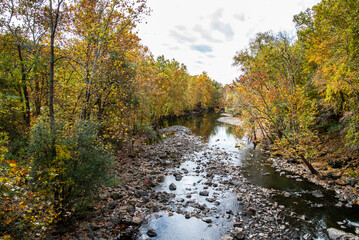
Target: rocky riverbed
(182, 179)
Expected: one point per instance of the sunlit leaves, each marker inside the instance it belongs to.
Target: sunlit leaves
(270, 98)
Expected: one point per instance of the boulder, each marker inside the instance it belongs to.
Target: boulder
(336, 234)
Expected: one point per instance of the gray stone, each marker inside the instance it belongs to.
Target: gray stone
(151, 233)
(203, 193)
(227, 237)
(137, 220)
(172, 187)
(178, 177)
(207, 220)
(307, 236)
(318, 194)
(336, 234)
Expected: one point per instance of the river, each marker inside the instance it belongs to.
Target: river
(309, 209)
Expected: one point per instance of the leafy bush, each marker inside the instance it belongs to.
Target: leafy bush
(72, 166)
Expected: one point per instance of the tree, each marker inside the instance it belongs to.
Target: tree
(329, 33)
(270, 96)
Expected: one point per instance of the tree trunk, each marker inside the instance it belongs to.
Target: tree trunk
(307, 163)
(52, 69)
(24, 87)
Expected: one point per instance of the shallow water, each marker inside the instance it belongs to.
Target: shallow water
(293, 192)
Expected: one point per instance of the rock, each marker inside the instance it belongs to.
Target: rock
(116, 196)
(172, 187)
(84, 225)
(227, 237)
(151, 233)
(137, 220)
(237, 224)
(307, 236)
(229, 212)
(349, 205)
(131, 209)
(318, 194)
(335, 234)
(207, 220)
(112, 205)
(203, 193)
(287, 194)
(238, 233)
(160, 178)
(178, 177)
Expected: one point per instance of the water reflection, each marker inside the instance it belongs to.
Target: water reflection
(177, 227)
(203, 124)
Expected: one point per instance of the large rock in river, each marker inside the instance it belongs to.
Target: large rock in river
(336, 234)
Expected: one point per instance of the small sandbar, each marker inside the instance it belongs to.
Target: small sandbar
(229, 119)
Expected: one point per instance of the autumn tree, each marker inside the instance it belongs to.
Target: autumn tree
(270, 96)
(329, 34)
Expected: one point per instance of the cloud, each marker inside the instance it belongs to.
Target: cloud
(181, 27)
(202, 48)
(218, 14)
(240, 16)
(205, 34)
(182, 37)
(217, 24)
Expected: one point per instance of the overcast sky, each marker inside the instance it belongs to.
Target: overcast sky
(206, 34)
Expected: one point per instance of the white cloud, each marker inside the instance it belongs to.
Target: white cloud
(240, 16)
(202, 48)
(205, 34)
(181, 37)
(217, 24)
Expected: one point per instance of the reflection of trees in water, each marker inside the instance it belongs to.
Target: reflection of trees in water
(203, 124)
(232, 130)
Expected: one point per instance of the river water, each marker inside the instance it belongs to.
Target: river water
(292, 192)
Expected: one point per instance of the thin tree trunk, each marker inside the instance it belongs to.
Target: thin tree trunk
(24, 87)
(52, 68)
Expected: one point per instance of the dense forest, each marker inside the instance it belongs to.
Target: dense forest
(77, 86)
(301, 93)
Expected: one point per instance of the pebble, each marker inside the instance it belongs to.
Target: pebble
(172, 187)
(151, 233)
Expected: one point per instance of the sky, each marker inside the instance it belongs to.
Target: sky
(205, 35)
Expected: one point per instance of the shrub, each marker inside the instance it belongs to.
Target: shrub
(71, 167)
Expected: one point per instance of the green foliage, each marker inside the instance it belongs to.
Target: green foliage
(76, 169)
(329, 34)
(24, 212)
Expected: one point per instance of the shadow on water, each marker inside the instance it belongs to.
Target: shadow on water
(313, 208)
